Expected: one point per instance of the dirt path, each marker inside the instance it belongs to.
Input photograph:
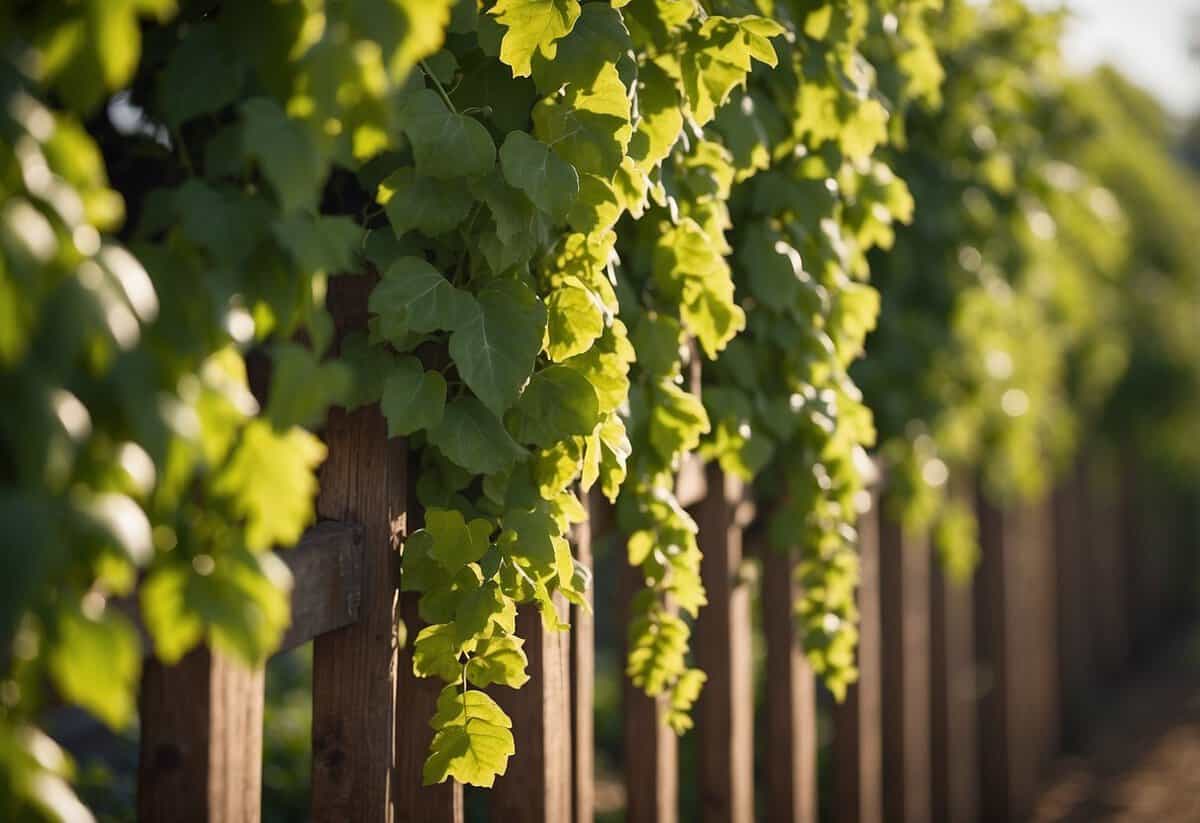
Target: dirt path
(1143, 763)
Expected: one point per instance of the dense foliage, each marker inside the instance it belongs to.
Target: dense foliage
(560, 209)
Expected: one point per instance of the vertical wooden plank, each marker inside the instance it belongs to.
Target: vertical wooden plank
(354, 669)
(1016, 638)
(650, 750)
(791, 760)
(1075, 669)
(417, 702)
(904, 624)
(201, 741)
(1106, 572)
(858, 720)
(953, 737)
(583, 684)
(537, 784)
(725, 711)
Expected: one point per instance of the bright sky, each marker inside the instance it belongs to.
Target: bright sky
(1147, 39)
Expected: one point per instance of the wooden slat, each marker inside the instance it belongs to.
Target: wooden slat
(354, 668)
(417, 702)
(1016, 640)
(953, 746)
(691, 484)
(1106, 572)
(1076, 679)
(791, 759)
(537, 785)
(326, 568)
(650, 750)
(904, 623)
(725, 711)
(583, 685)
(201, 741)
(858, 721)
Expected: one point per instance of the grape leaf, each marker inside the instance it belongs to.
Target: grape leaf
(414, 297)
(472, 437)
(429, 205)
(285, 152)
(446, 144)
(558, 403)
(436, 651)
(574, 322)
(413, 398)
(472, 740)
(495, 348)
(455, 541)
(549, 181)
(533, 26)
(499, 659)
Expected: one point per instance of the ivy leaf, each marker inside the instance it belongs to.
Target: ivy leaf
(455, 541)
(529, 165)
(446, 144)
(533, 27)
(285, 151)
(413, 398)
(558, 403)
(494, 349)
(574, 322)
(429, 205)
(95, 663)
(269, 480)
(472, 740)
(201, 76)
(499, 659)
(414, 297)
(302, 387)
(472, 437)
(436, 651)
(589, 127)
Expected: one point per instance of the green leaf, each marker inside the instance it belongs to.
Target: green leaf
(495, 349)
(529, 165)
(574, 321)
(472, 437)
(533, 27)
(436, 651)
(472, 740)
(320, 245)
(414, 297)
(413, 398)
(598, 39)
(657, 338)
(479, 609)
(589, 128)
(302, 387)
(499, 659)
(201, 76)
(269, 481)
(455, 541)
(95, 663)
(429, 205)
(224, 222)
(558, 403)
(446, 144)
(286, 153)
(677, 419)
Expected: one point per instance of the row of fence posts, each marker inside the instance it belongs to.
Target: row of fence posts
(966, 692)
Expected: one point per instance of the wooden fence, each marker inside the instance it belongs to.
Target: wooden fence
(966, 693)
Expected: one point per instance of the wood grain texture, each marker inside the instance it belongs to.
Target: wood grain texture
(327, 582)
(725, 712)
(583, 686)
(904, 623)
(791, 761)
(201, 741)
(354, 668)
(537, 785)
(650, 750)
(953, 746)
(858, 720)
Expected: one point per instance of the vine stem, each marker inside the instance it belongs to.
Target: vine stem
(440, 88)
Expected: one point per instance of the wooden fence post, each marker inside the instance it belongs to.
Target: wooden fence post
(537, 784)
(904, 624)
(1075, 667)
(650, 750)
(201, 741)
(791, 761)
(725, 711)
(1106, 572)
(858, 720)
(583, 686)
(1016, 640)
(953, 691)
